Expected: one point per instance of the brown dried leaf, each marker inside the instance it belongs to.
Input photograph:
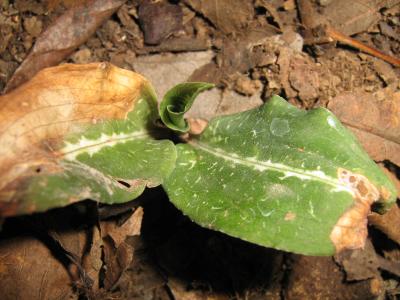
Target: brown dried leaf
(362, 264)
(351, 17)
(116, 261)
(28, 270)
(118, 233)
(92, 258)
(388, 223)
(117, 253)
(376, 123)
(61, 38)
(42, 256)
(377, 147)
(159, 20)
(321, 278)
(359, 264)
(141, 280)
(228, 16)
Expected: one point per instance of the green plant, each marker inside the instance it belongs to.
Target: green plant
(276, 176)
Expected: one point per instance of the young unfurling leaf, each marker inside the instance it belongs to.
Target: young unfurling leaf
(177, 101)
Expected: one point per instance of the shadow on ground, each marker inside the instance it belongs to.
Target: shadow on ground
(198, 256)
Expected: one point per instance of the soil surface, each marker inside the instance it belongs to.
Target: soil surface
(251, 49)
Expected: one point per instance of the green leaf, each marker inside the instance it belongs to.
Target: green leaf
(111, 162)
(280, 177)
(79, 132)
(177, 101)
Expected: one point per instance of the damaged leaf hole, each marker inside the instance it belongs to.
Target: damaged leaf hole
(363, 189)
(124, 184)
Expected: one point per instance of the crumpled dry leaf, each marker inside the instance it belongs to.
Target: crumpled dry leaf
(351, 17)
(118, 254)
(159, 20)
(322, 278)
(61, 38)
(141, 280)
(118, 232)
(227, 15)
(362, 264)
(48, 256)
(388, 223)
(375, 123)
(26, 262)
(359, 264)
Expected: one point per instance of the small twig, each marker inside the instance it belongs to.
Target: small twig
(342, 38)
(311, 20)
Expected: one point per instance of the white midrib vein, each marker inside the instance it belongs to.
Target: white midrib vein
(84, 145)
(261, 166)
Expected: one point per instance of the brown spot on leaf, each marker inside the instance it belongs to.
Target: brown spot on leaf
(350, 232)
(290, 216)
(197, 125)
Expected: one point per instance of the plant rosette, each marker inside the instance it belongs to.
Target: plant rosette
(276, 175)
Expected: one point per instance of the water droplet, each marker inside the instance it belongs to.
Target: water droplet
(279, 127)
(331, 122)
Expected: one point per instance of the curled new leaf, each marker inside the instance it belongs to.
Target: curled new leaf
(79, 131)
(280, 177)
(177, 101)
